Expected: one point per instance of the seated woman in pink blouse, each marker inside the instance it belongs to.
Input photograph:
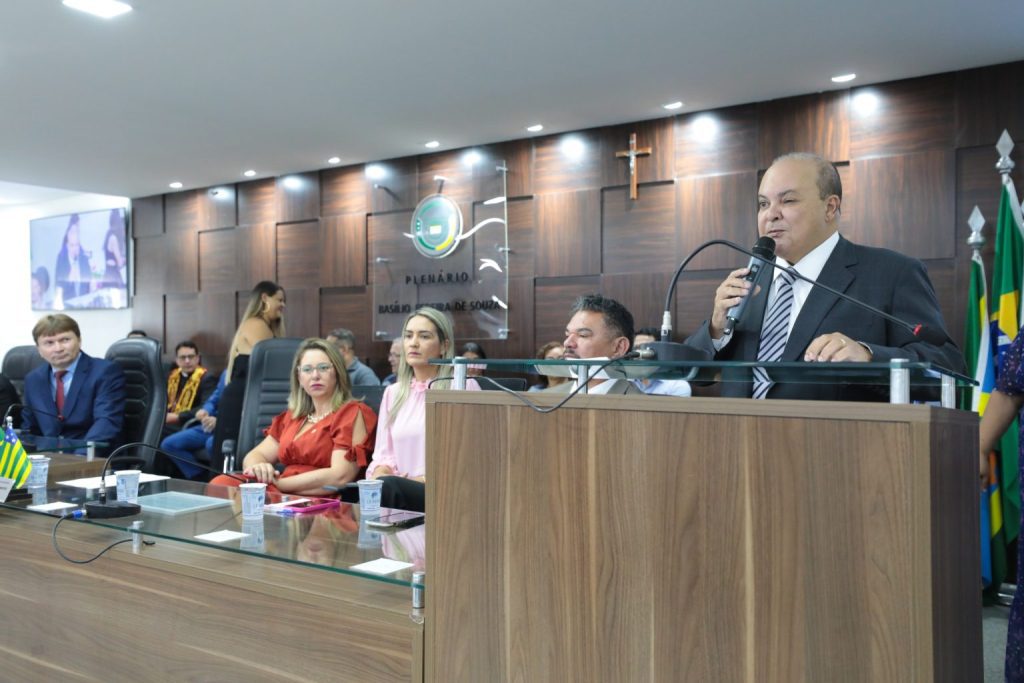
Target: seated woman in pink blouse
(399, 457)
(322, 439)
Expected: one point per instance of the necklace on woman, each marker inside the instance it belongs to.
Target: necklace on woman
(313, 419)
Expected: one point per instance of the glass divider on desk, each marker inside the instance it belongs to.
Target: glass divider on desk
(895, 378)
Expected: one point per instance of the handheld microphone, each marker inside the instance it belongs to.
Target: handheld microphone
(925, 333)
(765, 251)
(103, 509)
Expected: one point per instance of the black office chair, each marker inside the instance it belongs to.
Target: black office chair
(145, 396)
(513, 383)
(18, 362)
(266, 392)
(370, 394)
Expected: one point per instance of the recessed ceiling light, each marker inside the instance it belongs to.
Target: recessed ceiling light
(250, 173)
(673, 105)
(334, 160)
(106, 9)
(844, 78)
(433, 144)
(535, 128)
(176, 185)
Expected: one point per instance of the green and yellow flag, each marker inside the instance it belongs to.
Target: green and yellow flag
(1007, 274)
(14, 462)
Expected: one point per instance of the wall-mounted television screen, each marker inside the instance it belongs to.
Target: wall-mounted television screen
(80, 261)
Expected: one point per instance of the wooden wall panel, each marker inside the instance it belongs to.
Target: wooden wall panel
(455, 167)
(639, 236)
(182, 273)
(521, 305)
(217, 327)
(217, 258)
(911, 116)
(987, 102)
(567, 162)
(148, 315)
(568, 234)
(302, 315)
(952, 299)
(298, 197)
(979, 184)
(816, 123)
(658, 134)
(343, 250)
(299, 253)
(256, 254)
(182, 211)
(151, 259)
(183, 321)
(694, 301)
(906, 203)
(522, 237)
(342, 190)
(717, 207)
(350, 307)
(385, 235)
(218, 207)
(717, 142)
(148, 216)
(642, 293)
(256, 202)
(557, 295)
(518, 158)
(392, 185)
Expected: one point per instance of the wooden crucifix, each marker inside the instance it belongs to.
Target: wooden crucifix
(632, 153)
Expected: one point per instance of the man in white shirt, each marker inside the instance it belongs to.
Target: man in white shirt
(599, 328)
(799, 205)
(658, 387)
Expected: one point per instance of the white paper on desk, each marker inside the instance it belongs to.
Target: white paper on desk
(5, 487)
(222, 536)
(381, 566)
(50, 507)
(111, 481)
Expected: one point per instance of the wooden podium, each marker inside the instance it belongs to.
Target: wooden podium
(664, 539)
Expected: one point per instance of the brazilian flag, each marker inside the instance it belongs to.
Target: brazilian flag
(1008, 271)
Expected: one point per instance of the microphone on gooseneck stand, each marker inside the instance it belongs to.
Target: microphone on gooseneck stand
(11, 408)
(765, 256)
(104, 509)
(667, 350)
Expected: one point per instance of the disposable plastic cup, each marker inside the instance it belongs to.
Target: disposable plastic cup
(253, 497)
(128, 485)
(369, 497)
(40, 471)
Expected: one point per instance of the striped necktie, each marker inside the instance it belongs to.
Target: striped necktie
(774, 332)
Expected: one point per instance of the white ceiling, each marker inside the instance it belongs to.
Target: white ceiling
(199, 90)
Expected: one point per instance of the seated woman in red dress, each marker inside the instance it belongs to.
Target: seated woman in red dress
(324, 438)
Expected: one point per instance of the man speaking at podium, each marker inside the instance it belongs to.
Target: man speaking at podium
(792, 320)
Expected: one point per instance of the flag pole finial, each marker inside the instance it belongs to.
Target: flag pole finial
(976, 221)
(1004, 146)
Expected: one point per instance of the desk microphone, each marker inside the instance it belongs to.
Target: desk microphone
(11, 408)
(104, 509)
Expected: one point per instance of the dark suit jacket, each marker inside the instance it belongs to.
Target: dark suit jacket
(93, 408)
(894, 283)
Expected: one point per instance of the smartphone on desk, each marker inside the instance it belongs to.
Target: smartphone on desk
(396, 519)
(310, 505)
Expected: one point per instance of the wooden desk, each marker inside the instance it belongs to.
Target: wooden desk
(183, 612)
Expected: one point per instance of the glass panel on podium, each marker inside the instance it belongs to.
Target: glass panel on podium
(926, 381)
(450, 252)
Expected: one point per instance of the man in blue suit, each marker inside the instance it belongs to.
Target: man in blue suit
(74, 396)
